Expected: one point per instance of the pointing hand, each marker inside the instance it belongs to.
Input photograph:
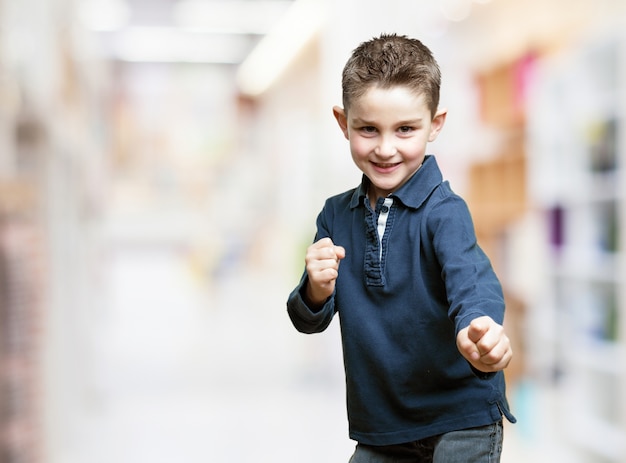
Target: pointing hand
(485, 345)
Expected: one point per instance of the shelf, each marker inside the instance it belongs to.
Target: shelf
(576, 157)
(595, 267)
(598, 356)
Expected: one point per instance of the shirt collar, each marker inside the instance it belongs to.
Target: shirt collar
(414, 192)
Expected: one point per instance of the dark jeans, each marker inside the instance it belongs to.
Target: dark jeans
(475, 445)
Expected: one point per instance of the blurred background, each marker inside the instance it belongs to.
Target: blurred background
(161, 166)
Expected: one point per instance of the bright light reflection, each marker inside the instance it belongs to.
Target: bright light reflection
(280, 46)
(236, 17)
(103, 15)
(168, 44)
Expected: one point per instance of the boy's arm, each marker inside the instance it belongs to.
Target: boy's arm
(305, 318)
(473, 290)
(311, 306)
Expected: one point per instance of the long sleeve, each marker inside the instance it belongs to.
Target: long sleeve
(400, 307)
(472, 288)
(303, 318)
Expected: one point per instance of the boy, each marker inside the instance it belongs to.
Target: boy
(420, 306)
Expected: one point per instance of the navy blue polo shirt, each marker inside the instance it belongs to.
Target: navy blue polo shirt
(412, 278)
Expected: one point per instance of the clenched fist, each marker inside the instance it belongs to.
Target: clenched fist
(485, 345)
(322, 266)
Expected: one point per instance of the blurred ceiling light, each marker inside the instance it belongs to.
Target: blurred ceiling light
(235, 17)
(269, 59)
(456, 10)
(103, 15)
(169, 44)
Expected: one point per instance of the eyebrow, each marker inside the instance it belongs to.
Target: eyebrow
(360, 121)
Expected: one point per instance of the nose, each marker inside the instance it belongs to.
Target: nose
(385, 148)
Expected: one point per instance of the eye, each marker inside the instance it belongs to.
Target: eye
(368, 130)
(405, 129)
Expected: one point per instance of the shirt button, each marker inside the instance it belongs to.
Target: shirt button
(385, 209)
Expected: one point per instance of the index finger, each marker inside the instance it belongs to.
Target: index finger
(477, 329)
(323, 243)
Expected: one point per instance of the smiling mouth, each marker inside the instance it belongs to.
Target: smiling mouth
(381, 165)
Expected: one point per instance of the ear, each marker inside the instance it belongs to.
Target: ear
(437, 124)
(342, 120)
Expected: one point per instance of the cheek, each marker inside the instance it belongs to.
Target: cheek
(360, 146)
(417, 147)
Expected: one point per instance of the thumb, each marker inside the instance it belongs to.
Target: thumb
(477, 330)
(340, 252)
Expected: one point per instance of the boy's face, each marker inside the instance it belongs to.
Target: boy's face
(388, 130)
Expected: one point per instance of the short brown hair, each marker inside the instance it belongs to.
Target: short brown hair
(391, 60)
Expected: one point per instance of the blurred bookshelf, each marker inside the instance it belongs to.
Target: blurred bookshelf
(21, 263)
(576, 174)
(53, 148)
